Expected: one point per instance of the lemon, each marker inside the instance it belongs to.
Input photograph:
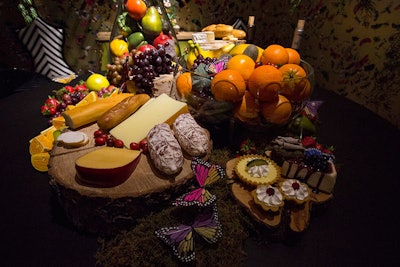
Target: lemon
(96, 82)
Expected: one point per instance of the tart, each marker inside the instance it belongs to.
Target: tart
(257, 170)
(295, 190)
(268, 197)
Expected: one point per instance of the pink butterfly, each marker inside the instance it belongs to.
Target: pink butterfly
(206, 174)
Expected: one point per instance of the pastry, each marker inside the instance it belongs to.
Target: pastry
(257, 170)
(268, 197)
(295, 191)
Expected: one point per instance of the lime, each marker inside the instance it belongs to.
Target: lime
(256, 162)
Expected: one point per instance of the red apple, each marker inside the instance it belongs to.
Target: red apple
(145, 47)
(161, 39)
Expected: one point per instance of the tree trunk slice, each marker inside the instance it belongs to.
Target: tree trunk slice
(299, 214)
(106, 210)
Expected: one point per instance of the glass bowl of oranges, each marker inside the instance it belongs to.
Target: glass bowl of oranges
(262, 93)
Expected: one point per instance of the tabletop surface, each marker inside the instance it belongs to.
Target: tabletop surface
(360, 227)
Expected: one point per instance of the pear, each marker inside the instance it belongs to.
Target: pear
(151, 22)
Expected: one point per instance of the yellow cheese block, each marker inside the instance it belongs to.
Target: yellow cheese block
(158, 110)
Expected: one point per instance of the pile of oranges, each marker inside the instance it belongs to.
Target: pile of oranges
(266, 90)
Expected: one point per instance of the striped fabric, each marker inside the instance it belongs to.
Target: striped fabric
(45, 44)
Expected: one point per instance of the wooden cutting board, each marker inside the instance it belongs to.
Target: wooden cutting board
(143, 181)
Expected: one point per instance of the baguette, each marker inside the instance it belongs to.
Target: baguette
(121, 111)
(80, 116)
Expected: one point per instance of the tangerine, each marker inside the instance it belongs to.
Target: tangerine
(136, 8)
(277, 113)
(184, 84)
(228, 85)
(275, 54)
(295, 81)
(242, 63)
(294, 56)
(265, 82)
(248, 108)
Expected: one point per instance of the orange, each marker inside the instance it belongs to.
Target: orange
(40, 161)
(248, 108)
(136, 8)
(277, 113)
(294, 56)
(228, 85)
(242, 63)
(275, 54)
(302, 94)
(265, 82)
(294, 81)
(184, 84)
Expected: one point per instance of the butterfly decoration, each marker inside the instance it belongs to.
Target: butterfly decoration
(311, 109)
(215, 67)
(181, 238)
(206, 174)
(64, 79)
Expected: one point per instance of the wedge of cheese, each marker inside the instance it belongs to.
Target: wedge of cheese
(158, 110)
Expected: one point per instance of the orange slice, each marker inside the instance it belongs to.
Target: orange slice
(90, 98)
(58, 122)
(42, 142)
(40, 161)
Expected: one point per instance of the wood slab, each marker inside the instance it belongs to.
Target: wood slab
(299, 214)
(143, 181)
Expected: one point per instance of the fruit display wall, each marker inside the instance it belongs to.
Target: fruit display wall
(352, 44)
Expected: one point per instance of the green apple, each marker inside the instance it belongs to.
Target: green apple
(135, 39)
(96, 82)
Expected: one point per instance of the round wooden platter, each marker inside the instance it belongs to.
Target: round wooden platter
(298, 215)
(145, 189)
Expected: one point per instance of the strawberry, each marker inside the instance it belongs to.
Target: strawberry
(69, 88)
(45, 110)
(52, 102)
(308, 141)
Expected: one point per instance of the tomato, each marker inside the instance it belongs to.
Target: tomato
(136, 9)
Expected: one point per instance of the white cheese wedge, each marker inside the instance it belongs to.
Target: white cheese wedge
(162, 109)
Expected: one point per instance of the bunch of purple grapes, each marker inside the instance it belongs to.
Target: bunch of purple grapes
(148, 65)
(74, 97)
(104, 92)
(201, 59)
